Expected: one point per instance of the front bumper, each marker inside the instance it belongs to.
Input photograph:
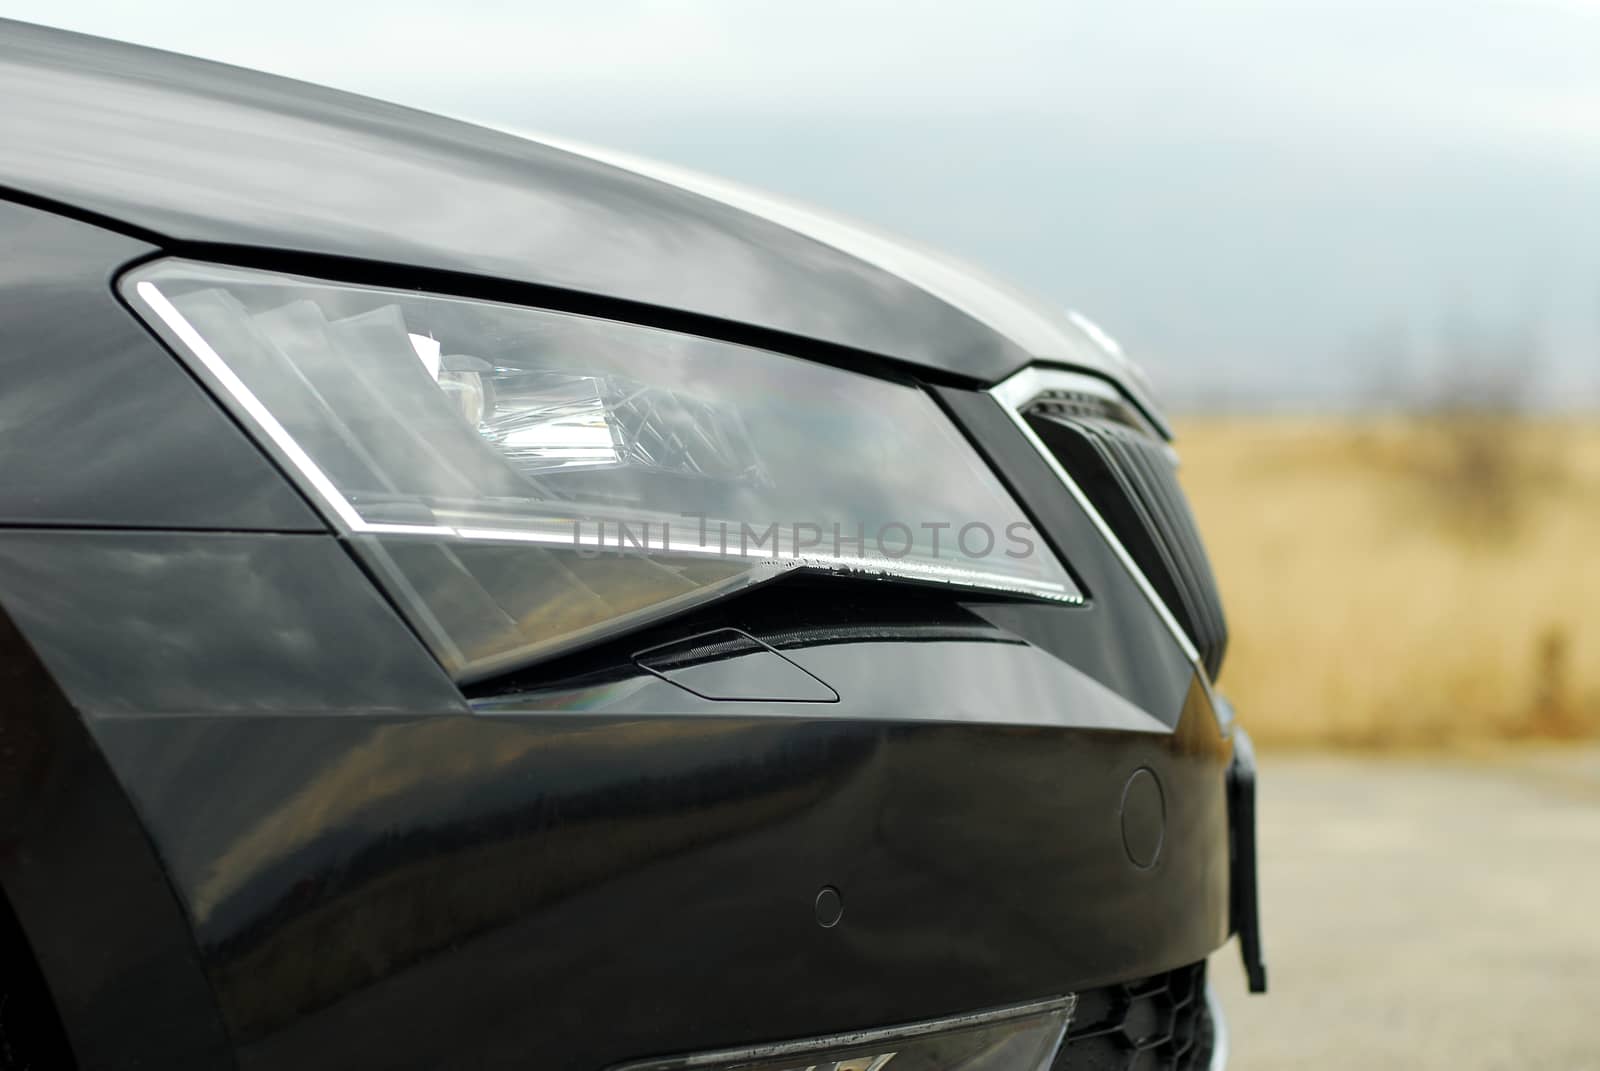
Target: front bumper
(365, 869)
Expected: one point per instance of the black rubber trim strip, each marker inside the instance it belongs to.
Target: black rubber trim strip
(1245, 907)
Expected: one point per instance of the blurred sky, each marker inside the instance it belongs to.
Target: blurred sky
(1269, 202)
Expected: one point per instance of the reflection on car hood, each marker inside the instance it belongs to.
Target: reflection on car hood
(189, 151)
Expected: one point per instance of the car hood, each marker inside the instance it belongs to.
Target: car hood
(185, 151)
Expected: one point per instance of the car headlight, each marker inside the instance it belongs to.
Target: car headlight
(525, 480)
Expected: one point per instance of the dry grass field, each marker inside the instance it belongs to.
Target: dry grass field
(1404, 582)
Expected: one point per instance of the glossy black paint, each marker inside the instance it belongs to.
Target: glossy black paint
(537, 878)
(571, 891)
(189, 623)
(99, 425)
(202, 154)
(89, 889)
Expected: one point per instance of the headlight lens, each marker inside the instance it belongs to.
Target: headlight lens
(526, 479)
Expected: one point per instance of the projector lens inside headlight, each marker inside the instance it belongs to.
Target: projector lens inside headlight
(525, 480)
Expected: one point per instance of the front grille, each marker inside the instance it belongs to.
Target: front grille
(1129, 476)
(1155, 1024)
(1065, 402)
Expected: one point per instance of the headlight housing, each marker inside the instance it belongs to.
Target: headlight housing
(526, 480)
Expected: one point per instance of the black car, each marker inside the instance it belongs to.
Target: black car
(471, 602)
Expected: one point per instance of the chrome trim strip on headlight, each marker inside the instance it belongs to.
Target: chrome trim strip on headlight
(175, 321)
(1016, 392)
(1219, 1031)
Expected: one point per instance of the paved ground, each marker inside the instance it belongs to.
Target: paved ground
(1426, 914)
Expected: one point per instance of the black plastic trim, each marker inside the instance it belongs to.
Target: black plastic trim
(1246, 906)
